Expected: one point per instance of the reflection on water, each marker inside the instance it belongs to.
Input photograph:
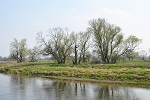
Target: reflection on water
(21, 88)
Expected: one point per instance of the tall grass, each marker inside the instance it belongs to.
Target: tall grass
(127, 71)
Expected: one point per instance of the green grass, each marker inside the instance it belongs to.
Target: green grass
(138, 72)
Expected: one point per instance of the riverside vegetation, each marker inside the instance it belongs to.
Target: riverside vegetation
(102, 42)
(120, 73)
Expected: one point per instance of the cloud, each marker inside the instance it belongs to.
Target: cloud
(102, 13)
(116, 12)
(117, 16)
(74, 9)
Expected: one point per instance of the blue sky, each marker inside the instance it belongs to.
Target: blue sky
(24, 18)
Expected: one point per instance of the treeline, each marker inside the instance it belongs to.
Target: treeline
(4, 58)
(102, 42)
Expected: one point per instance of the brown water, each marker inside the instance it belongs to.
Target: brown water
(14, 87)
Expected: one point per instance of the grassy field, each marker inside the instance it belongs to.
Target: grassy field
(126, 72)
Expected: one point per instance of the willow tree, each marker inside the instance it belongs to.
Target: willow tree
(58, 44)
(80, 46)
(34, 54)
(109, 40)
(84, 44)
(18, 50)
(128, 47)
(75, 45)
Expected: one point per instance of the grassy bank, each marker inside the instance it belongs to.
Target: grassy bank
(129, 72)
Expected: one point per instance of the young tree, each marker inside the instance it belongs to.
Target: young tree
(84, 44)
(75, 46)
(18, 50)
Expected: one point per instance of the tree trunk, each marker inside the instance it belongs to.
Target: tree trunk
(83, 57)
(79, 59)
(76, 56)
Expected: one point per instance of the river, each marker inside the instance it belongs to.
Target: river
(13, 87)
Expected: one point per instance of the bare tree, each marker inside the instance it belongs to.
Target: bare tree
(58, 45)
(18, 50)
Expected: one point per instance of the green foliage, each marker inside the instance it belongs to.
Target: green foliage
(18, 50)
(110, 42)
(108, 45)
(108, 37)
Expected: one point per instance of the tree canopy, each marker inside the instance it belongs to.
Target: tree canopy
(18, 50)
(110, 43)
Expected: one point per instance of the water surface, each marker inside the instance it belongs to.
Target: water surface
(14, 87)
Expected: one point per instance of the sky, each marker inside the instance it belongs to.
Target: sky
(23, 19)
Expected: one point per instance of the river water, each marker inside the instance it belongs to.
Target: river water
(14, 87)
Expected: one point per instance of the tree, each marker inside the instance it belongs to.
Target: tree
(88, 56)
(109, 40)
(143, 54)
(130, 55)
(75, 46)
(34, 54)
(95, 57)
(80, 46)
(58, 45)
(4, 58)
(18, 50)
(149, 53)
(84, 45)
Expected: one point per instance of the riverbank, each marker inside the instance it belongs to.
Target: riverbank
(125, 73)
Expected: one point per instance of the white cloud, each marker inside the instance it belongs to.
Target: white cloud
(102, 13)
(107, 11)
(116, 12)
(81, 20)
(74, 9)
